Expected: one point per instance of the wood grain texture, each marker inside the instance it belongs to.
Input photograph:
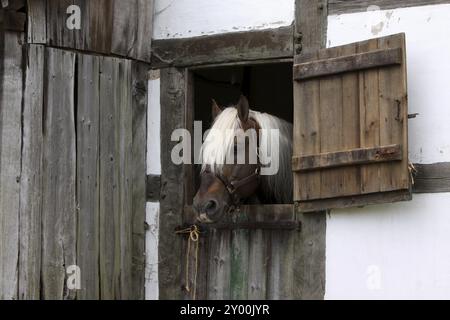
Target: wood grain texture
(308, 260)
(347, 158)
(124, 153)
(355, 201)
(88, 193)
(172, 195)
(109, 181)
(59, 176)
(31, 176)
(362, 121)
(138, 162)
(10, 155)
(348, 63)
(110, 27)
(37, 30)
(228, 47)
(348, 6)
(239, 252)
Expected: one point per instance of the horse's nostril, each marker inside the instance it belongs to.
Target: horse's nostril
(211, 206)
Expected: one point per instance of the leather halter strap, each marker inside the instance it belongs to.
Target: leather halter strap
(235, 187)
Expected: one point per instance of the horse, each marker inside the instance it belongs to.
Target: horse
(225, 185)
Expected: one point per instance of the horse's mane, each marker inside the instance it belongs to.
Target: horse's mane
(276, 187)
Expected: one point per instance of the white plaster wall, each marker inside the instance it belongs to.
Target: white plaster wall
(392, 251)
(400, 250)
(189, 18)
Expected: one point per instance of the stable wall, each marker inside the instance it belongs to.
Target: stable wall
(389, 251)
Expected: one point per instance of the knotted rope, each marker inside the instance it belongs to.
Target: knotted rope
(194, 235)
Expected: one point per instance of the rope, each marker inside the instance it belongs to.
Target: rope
(194, 235)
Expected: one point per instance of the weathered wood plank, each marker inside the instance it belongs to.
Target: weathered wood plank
(124, 29)
(36, 13)
(258, 258)
(280, 271)
(228, 47)
(394, 116)
(58, 35)
(311, 24)
(124, 152)
(351, 181)
(59, 183)
(355, 201)
(100, 25)
(109, 181)
(31, 176)
(239, 253)
(432, 178)
(10, 154)
(349, 63)
(348, 6)
(172, 197)
(88, 196)
(306, 132)
(347, 158)
(309, 259)
(142, 49)
(308, 262)
(369, 120)
(219, 272)
(331, 135)
(139, 152)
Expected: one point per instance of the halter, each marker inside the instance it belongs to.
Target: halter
(236, 188)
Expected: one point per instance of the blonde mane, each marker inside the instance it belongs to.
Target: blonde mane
(276, 187)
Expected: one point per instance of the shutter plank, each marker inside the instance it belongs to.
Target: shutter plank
(258, 257)
(220, 266)
(369, 120)
(239, 259)
(351, 180)
(306, 131)
(331, 121)
(393, 113)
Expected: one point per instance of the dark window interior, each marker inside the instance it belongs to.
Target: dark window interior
(268, 88)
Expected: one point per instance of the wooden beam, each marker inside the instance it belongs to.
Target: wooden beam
(308, 263)
(271, 213)
(173, 100)
(153, 187)
(14, 21)
(336, 7)
(347, 158)
(223, 48)
(354, 62)
(360, 200)
(432, 178)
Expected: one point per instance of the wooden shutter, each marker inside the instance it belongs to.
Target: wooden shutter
(350, 125)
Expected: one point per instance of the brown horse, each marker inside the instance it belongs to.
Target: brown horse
(246, 158)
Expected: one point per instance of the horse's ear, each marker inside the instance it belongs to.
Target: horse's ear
(243, 109)
(215, 109)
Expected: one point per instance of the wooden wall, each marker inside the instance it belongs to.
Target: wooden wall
(112, 27)
(72, 173)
